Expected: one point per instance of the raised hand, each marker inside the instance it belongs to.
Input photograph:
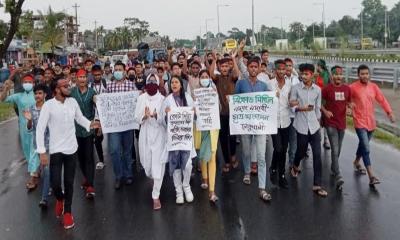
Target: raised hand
(27, 115)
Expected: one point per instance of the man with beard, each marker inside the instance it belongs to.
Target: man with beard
(59, 115)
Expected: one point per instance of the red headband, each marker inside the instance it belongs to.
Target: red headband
(81, 72)
(28, 77)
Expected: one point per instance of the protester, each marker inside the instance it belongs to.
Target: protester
(306, 98)
(363, 95)
(336, 97)
(252, 84)
(282, 86)
(152, 138)
(24, 100)
(225, 84)
(120, 143)
(99, 85)
(180, 161)
(59, 115)
(206, 143)
(85, 97)
(32, 117)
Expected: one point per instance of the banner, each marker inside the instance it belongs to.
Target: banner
(117, 111)
(180, 129)
(207, 109)
(253, 113)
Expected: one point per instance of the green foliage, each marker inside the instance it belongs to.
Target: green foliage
(26, 29)
(52, 32)
(6, 111)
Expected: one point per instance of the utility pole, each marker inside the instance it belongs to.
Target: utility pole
(76, 20)
(95, 34)
(207, 19)
(386, 33)
(362, 28)
(252, 23)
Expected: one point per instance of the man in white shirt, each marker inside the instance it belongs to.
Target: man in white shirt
(282, 86)
(59, 115)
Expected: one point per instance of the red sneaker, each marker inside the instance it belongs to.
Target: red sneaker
(59, 208)
(68, 221)
(90, 193)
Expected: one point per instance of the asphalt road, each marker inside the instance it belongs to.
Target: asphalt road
(356, 213)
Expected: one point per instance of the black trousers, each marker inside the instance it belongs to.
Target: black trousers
(57, 162)
(280, 142)
(302, 145)
(228, 141)
(98, 141)
(86, 159)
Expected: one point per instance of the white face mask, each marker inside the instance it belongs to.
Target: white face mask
(205, 82)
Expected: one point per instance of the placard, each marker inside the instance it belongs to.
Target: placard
(253, 113)
(180, 129)
(207, 109)
(117, 111)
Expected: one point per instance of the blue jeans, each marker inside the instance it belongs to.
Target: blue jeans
(120, 147)
(364, 136)
(335, 136)
(260, 142)
(45, 182)
(292, 142)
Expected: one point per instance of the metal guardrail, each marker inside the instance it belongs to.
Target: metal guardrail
(388, 73)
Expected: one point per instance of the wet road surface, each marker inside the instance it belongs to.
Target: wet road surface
(356, 213)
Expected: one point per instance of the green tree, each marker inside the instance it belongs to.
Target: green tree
(394, 23)
(52, 32)
(236, 34)
(296, 31)
(14, 8)
(374, 19)
(25, 29)
(138, 28)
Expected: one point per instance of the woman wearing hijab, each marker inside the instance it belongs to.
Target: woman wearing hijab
(152, 137)
(206, 143)
(180, 162)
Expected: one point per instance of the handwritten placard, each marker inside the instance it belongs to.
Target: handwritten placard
(180, 129)
(207, 109)
(117, 111)
(253, 113)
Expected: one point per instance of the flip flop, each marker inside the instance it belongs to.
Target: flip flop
(320, 191)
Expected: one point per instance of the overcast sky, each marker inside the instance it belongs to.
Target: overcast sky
(185, 18)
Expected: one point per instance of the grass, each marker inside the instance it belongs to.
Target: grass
(380, 135)
(6, 111)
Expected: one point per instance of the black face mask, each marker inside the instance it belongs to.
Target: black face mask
(132, 77)
(140, 84)
(210, 61)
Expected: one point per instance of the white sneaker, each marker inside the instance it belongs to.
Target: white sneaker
(100, 165)
(179, 199)
(188, 195)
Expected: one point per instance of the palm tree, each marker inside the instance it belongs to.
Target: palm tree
(52, 32)
(113, 40)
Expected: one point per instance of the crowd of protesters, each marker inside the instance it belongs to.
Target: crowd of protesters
(60, 128)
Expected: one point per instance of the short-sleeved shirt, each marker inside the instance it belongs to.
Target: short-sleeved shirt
(86, 104)
(225, 86)
(307, 122)
(35, 112)
(336, 99)
(245, 86)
